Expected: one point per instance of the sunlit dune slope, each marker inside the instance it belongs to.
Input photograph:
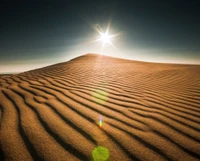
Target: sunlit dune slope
(149, 111)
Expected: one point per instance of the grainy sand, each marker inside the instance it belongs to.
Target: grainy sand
(150, 111)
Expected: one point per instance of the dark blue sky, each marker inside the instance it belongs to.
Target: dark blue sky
(39, 33)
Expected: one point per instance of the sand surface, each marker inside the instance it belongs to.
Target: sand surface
(149, 111)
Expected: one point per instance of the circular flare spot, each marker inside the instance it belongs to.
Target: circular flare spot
(100, 153)
(100, 96)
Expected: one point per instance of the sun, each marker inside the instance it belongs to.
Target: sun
(105, 38)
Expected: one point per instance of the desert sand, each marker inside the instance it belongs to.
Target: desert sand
(130, 110)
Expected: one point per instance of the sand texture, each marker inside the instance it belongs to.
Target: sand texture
(149, 111)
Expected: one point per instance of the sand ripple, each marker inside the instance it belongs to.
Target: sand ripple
(149, 111)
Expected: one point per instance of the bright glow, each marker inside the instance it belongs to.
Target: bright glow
(105, 38)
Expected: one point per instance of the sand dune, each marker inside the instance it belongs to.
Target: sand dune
(149, 111)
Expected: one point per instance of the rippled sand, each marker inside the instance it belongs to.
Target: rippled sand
(148, 111)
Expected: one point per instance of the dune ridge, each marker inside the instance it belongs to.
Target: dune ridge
(150, 111)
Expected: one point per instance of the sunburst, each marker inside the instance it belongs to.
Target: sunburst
(104, 36)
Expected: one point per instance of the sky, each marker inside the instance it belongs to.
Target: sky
(35, 34)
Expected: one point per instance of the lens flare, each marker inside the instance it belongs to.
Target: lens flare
(100, 121)
(100, 96)
(100, 153)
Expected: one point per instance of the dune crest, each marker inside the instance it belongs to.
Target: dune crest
(134, 110)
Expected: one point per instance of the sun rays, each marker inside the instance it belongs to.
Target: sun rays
(105, 37)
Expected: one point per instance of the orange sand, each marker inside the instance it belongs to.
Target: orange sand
(150, 111)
